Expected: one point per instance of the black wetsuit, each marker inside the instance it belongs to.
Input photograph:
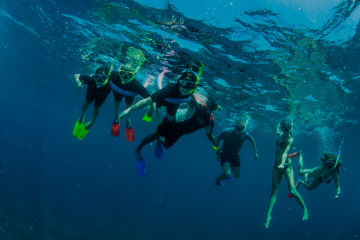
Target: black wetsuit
(232, 143)
(171, 91)
(94, 93)
(120, 90)
(171, 131)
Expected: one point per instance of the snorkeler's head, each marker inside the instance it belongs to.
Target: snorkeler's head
(188, 81)
(286, 125)
(330, 160)
(101, 76)
(240, 124)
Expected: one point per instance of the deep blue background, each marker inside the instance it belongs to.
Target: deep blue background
(55, 187)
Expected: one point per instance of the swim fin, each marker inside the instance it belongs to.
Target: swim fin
(77, 129)
(147, 117)
(141, 167)
(130, 135)
(80, 130)
(159, 151)
(115, 129)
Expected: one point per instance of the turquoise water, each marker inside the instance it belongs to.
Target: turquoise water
(265, 59)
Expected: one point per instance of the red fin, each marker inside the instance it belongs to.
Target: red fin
(115, 129)
(130, 135)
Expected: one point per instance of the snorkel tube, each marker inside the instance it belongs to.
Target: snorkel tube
(338, 162)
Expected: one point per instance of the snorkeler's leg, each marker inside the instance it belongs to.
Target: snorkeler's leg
(276, 179)
(289, 173)
(301, 164)
(128, 120)
(144, 142)
(95, 114)
(226, 173)
(117, 111)
(84, 108)
(314, 184)
(236, 171)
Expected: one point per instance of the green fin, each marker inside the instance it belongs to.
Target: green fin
(80, 131)
(77, 129)
(147, 118)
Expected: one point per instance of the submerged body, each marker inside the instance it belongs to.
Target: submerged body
(233, 139)
(327, 171)
(282, 166)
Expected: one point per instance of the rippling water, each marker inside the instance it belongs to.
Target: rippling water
(266, 59)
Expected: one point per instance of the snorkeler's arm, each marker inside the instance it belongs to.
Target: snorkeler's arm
(253, 143)
(140, 104)
(209, 133)
(78, 80)
(285, 154)
(336, 179)
(278, 131)
(313, 172)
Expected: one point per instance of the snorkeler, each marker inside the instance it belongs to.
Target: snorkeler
(233, 139)
(328, 170)
(282, 166)
(98, 88)
(124, 84)
(169, 97)
(194, 117)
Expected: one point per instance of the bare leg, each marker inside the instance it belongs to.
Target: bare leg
(226, 173)
(310, 186)
(276, 179)
(289, 173)
(144, 142)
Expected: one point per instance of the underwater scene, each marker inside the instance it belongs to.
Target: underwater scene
(151, 120)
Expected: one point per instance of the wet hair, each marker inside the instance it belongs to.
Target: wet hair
(328, 157)
(286, 125)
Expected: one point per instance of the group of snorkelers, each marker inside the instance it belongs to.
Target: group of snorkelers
(197, 114)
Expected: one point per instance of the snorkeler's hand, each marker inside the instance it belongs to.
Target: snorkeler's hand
(337, 196)
(256, 156)
(77, 80)
(281, 166)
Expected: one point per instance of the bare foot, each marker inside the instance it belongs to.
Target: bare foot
(267, 222)
(306, 215)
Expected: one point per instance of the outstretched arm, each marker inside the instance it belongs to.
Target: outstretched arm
(251, 139)
(140, 104)
(337, 184)
(285, 154)
(209, 132)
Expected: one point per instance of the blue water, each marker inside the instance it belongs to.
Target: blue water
(56, 187)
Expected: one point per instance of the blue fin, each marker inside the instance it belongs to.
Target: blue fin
(159, 151)
(141, 167)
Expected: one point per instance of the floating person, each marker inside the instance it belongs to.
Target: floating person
(169, 97)
(233, 139)
(327, 171)
(98, 88)
(196, 116)
(282, 166)
(125, 85)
